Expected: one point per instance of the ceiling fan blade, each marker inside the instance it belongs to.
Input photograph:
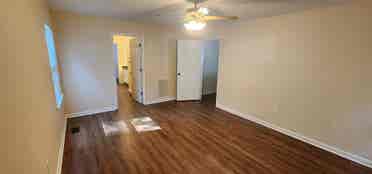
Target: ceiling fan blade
(192, 9)
(214, 18)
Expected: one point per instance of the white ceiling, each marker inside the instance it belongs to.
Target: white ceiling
(171, 11)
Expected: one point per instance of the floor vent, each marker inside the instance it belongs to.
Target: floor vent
(75, 130)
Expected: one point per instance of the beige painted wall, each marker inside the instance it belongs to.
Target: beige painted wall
(309, 72)
(86, 57)
(31, 126)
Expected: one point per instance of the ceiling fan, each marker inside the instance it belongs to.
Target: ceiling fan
(196, 18)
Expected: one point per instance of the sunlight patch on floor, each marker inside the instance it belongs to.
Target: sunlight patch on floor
(114, 128)
(143, 124)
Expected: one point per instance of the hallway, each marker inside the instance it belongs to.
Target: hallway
(196, 138)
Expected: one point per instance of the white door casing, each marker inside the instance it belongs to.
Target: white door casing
(116, 73)
(189, 69)
(135, 57)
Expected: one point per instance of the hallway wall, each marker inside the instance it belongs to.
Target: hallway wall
(122, 43)
(31, 126)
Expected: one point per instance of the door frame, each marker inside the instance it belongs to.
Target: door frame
(218, 63)
(220, 41)
(201, 74)
(141, 40)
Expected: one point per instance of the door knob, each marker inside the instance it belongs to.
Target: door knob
(178, 74)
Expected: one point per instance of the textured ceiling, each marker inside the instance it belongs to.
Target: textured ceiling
(171, 11)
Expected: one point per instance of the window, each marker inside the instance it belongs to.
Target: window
(53, 65)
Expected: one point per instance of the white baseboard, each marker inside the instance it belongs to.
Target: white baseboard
(353, 157)
(61, 149)
(161, 99)
(91, 111)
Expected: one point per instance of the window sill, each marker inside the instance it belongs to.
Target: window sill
(59, 103)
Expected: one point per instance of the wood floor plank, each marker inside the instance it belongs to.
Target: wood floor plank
(196, 138)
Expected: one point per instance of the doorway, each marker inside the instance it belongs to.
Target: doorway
(128, 64)
(210, 69)
(197, 69)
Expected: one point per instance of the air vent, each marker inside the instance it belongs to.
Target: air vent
(163, 88)
(75, 130)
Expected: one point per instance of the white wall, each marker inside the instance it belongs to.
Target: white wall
(31, 125)
(86, 55)
(85, 49)
(210, 68)
(308, 72)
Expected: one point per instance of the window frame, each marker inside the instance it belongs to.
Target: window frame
(53, 63)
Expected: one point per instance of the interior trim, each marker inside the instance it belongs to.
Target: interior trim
(161, 99)
(91, 112)
(61, 148)
(350, 156)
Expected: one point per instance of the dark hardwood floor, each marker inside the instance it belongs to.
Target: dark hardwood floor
(196, 138)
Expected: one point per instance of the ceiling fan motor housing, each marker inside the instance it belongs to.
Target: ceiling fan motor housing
(194, 16)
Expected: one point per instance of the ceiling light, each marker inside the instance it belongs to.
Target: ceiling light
(203, 10)
(195, 25)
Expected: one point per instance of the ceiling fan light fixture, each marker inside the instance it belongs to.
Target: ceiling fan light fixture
(195, 25)
(203, 10)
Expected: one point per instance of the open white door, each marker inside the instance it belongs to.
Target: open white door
(189, 69)
(136, 70)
